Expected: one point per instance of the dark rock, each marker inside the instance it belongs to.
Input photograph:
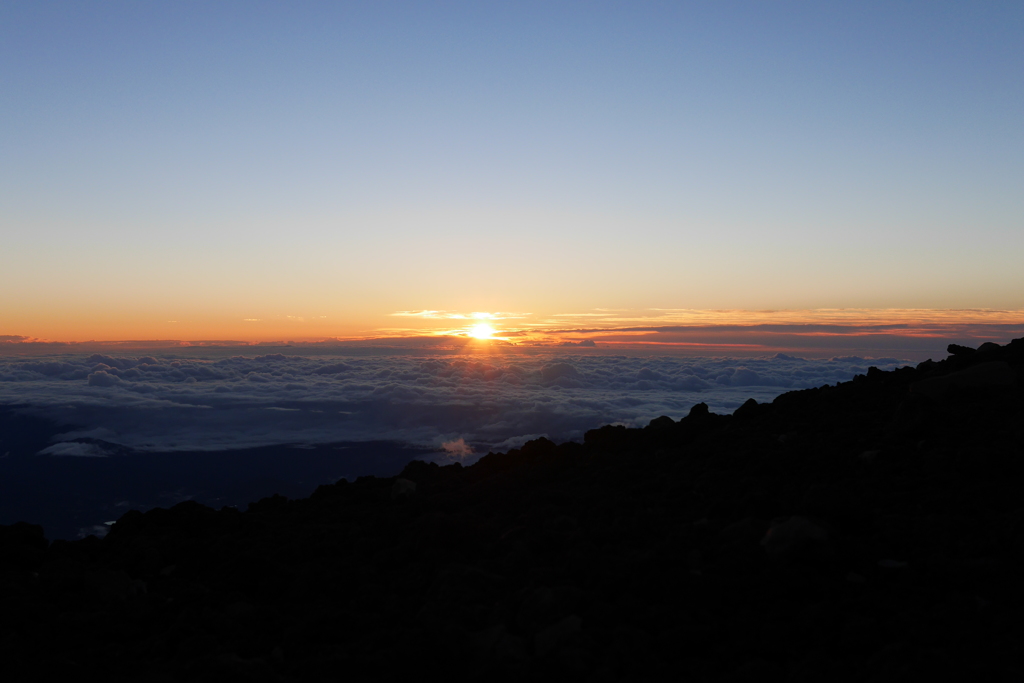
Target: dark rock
(662, 422)
(746, 411)
(991, 375)
(817, 667)
(960, 351)
(403, 488)
(555, 635)
(609, 434)
(894, 553)
(22, 546)
(699, 410)
(793, 539)
(268, 505)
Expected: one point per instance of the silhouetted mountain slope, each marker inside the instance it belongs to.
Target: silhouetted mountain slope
(869, 531)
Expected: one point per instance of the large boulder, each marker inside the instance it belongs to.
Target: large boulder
(991, 375)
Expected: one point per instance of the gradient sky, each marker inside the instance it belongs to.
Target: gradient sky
(298, 170)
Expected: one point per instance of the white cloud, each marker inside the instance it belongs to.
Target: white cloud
(494, 401)
(458, 447)
(74, 449)
(100, 378)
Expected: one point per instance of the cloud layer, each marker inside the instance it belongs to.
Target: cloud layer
(496, 401)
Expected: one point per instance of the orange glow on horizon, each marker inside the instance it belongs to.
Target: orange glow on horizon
(660, 327)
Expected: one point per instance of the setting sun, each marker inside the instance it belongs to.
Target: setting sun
(481, 331)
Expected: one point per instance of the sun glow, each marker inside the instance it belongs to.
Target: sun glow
(481, 331)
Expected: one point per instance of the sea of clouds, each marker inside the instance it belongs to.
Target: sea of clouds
(464, 404)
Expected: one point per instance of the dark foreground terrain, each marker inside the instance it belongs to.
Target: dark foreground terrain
(870, 531)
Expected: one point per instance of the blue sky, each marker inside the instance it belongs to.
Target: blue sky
(215, 162)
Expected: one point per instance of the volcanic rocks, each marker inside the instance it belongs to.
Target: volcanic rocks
(868, 531)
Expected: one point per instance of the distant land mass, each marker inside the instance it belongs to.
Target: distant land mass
(871, 530)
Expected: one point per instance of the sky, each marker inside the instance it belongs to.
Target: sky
(683, 172)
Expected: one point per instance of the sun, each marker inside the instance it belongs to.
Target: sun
(481, 331)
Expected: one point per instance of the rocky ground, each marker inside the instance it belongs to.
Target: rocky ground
(869, 531)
